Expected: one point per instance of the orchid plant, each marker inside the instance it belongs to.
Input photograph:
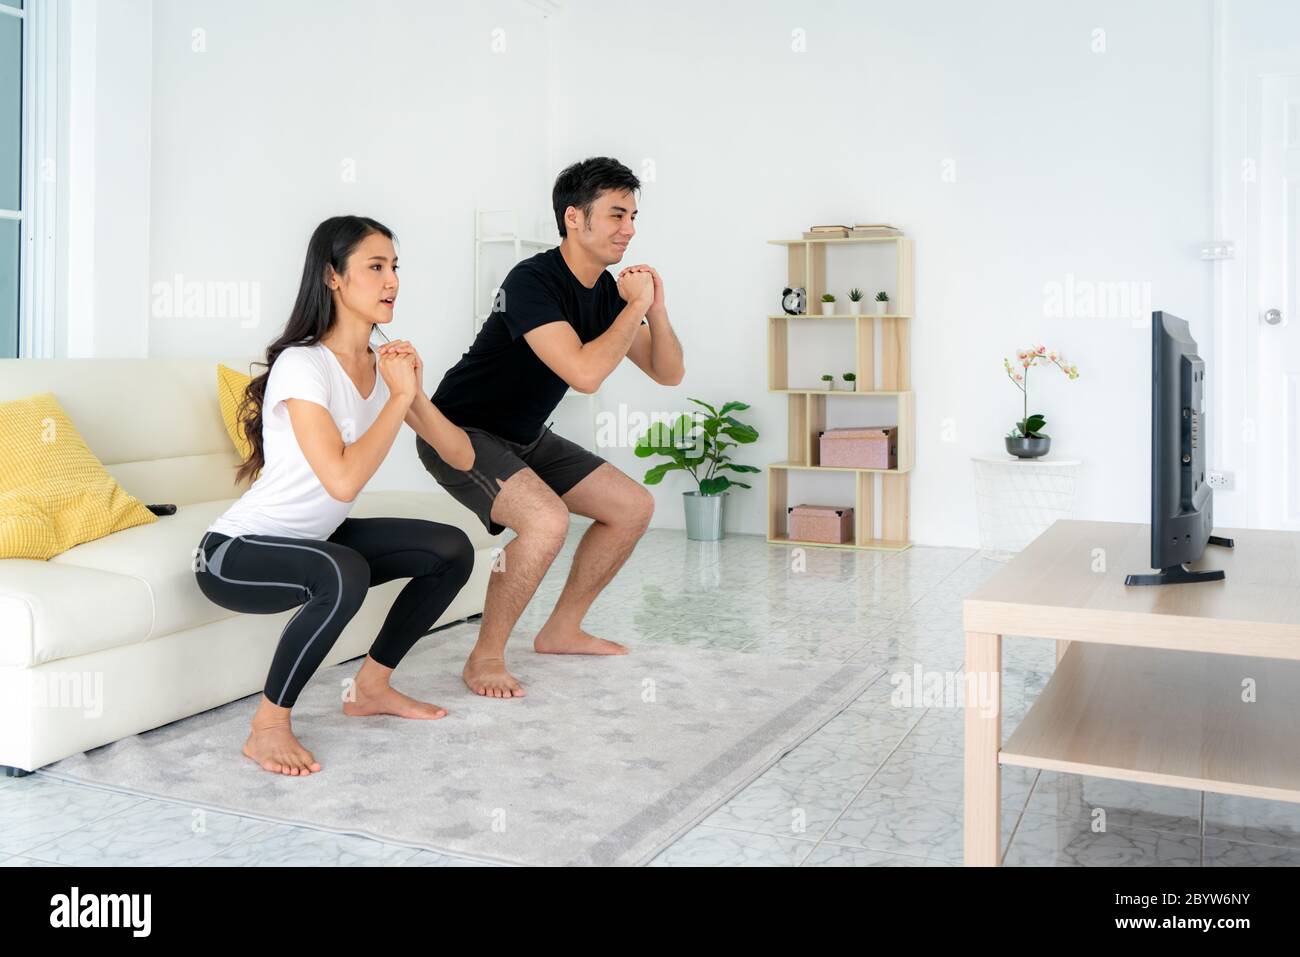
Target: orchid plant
(1030, 426)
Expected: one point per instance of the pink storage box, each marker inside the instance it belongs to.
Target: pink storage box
(832, 524)
(872, 447)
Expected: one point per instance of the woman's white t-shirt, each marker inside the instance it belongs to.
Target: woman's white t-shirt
(287, 499)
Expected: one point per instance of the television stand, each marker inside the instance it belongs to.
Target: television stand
(1181, 574)
(1175, 575)
(1148, 682)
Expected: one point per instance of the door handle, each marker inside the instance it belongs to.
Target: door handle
(1273, 317)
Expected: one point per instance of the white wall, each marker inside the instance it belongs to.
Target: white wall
(1068, 162)
(104, 224)
(408, 111)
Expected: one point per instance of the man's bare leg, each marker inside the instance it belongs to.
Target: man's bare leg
(540, 521)
(622, 509)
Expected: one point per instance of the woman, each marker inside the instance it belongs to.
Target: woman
(321, 419)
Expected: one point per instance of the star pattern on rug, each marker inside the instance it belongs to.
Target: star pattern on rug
(698, 727)
(543, 753)
(644, 764)
(549, 780)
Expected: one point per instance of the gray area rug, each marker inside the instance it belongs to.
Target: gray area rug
(606, 762)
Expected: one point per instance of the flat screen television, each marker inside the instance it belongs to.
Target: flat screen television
(1182, 502)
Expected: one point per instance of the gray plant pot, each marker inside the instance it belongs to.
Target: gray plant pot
(705, 516)
(1026, 448)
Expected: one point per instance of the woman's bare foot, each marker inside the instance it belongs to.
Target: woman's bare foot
(487, 676)
(272, 744)
(555, 641)
(372, 694)
(386, 699)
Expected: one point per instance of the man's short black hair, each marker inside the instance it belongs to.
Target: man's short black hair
(579, 185)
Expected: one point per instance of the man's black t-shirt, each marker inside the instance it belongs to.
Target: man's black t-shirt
(500, 385)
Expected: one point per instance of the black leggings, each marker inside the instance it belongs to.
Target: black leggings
(261, 574)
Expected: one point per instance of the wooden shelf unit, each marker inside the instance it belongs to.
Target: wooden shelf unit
(807, 407)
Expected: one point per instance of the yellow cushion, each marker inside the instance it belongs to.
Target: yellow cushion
(54, 492)
(231, 386)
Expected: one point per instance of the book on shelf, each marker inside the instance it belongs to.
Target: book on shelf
(826, 232)
(874, 229)
(846, 232)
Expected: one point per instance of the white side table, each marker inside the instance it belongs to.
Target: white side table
(1018, 499)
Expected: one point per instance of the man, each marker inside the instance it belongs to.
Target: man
(560, 321)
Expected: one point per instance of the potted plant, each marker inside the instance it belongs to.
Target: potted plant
(828, 304)
(882, 303)
(829, 380)
(1027, 440)
(855, 301)
(850, 380)
(697, 443)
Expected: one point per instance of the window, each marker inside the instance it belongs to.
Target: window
(13, 24)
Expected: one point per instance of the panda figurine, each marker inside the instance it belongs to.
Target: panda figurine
(794, 301)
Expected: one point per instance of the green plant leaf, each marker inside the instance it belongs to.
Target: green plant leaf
(743, 434)
(712, 486)
(696, 443)
(733, 407)
(741, 468)
(655, 475)
(711, 409)
(1032, 425)
(658, 438)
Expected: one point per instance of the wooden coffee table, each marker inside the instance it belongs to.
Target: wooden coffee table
(1192, 686)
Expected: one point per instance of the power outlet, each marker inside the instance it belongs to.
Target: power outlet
(1219, 480)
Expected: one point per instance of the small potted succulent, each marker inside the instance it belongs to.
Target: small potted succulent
(1027, 440)
(829, 380)
(855, 301)
(850, 381)
(828, 304)
(882, 303)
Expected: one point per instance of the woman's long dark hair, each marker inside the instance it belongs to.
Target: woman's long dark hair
(313, 315)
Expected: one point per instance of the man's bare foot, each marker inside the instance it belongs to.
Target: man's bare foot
(385, 699)
(487, 676)
(275, 748)
(553, 641)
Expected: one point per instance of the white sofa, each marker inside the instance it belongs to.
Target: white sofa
(113, 637)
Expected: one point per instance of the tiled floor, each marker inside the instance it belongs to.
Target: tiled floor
(878, 785)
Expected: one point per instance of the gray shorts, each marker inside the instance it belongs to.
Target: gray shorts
(559, 463)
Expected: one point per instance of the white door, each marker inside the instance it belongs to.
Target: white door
(1254, 364)
(1272, 306)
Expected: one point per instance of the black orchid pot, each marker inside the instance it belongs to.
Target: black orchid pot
(1024, 447)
